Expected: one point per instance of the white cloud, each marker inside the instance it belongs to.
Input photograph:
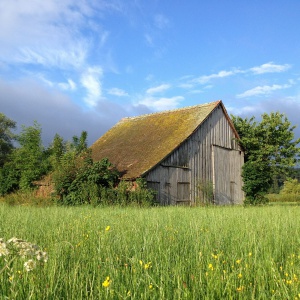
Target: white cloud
(263, 90)
(270, 67)
(163, 103)
(117, 92)
(70, 85)
(206, 78)
(50, 33)
(90, 79)
(158, 89)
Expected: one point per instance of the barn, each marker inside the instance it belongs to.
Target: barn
(188, 155)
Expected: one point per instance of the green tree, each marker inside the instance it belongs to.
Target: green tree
(270, 150)
(69, 162)
(56, 150)
(27, 163)
(6, 137)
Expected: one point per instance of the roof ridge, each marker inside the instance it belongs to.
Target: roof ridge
(170, 110)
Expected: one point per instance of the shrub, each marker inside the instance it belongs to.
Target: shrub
(291, 186)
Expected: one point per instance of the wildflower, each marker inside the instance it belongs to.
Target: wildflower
(150, 286)
(250, 254)
(41, 256)
(240, 276)
(210, 266)
(238, 261)
(15, 241)
(3, 250)
(106, 283)
(107, 228)
(147, 266)
(29, 265)
(240, 288)
(141, 262)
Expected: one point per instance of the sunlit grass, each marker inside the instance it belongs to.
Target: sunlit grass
(159, 253)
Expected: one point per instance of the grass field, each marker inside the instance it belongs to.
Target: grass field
(154, 253)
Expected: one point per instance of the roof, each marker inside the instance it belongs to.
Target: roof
(135, 145)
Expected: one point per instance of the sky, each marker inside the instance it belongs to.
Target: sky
(74, 65)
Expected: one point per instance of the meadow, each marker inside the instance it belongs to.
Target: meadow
(154, 253)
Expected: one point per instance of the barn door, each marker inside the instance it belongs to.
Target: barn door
(179, 186)
(227, 165)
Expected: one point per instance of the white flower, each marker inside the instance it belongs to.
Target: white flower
(15, 241)
(42, 256)
(3, 250)
(29, 265)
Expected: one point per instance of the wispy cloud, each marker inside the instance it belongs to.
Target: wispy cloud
(206, 78)
(49, 33)
(263, 90)
(90, 79)
(117, 92)
(161, 21)
(70, 85)
(158, 89)
(269, 67)
(162, 103)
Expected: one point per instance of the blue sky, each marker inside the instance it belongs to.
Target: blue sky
(85, 64)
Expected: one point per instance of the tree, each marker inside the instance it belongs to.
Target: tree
(6, 137)
(270, 150)
(27, 163)
(56, 150)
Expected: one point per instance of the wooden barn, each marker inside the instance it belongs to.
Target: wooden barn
(188, 155)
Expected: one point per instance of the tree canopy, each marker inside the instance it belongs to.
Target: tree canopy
(270, 150)
(6, 137)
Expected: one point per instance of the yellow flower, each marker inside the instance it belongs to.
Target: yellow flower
(240, 288)
(106, 283)
(147, 266)
(210, 266)
(107, 228)
(150, 286)
(238, 261)
(250, 254)
(240, 276)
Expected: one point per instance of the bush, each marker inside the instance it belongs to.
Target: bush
(291, 186)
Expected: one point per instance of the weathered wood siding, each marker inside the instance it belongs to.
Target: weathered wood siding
(210, 158)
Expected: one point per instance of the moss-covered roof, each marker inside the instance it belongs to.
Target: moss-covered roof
(135, 145)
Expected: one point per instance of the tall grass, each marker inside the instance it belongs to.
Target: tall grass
(290, 198)
(156, 253)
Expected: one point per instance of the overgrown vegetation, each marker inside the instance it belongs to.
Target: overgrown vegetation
(75, 177)
(290, 192)
(206, 193)
(156, 253)
(270, 151)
